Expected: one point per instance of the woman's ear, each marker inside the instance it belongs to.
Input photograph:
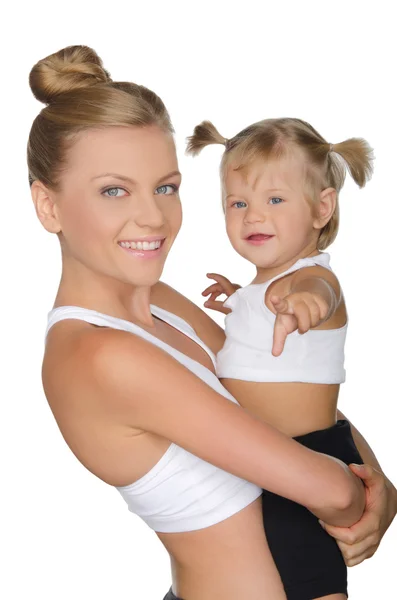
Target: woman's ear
(325, 208)
(46, 209)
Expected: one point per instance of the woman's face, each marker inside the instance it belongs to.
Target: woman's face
(118, 206)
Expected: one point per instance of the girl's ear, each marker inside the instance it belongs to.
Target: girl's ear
(325, 208)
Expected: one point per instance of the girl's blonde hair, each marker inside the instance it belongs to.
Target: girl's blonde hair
(325, 164)
(79, 95)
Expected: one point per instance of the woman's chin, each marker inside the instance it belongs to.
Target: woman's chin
(148, 278)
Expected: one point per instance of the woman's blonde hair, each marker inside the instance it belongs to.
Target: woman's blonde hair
(325, 164)
(79, 95)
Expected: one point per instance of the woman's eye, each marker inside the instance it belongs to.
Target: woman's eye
(166, 190)
(239, 204)
(113, 192)
(276, 200)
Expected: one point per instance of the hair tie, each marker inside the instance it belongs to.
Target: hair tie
(227, 144)
(331, 148)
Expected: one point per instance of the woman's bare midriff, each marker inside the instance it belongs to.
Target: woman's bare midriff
(227, 561)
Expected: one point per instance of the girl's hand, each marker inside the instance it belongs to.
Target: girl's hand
(362, 539)
(222, 286)
(298, 311)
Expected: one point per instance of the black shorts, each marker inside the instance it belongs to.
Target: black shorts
(170, 596)
(308, 559)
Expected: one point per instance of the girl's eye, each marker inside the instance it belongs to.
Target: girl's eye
(239, 204)
(167, 190)
(113, 192)
(276, 200)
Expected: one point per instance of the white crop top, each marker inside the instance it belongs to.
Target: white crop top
(181, 492)
(313, 357)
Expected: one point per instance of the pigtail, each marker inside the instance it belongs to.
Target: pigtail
(358, 158)
(203, 135)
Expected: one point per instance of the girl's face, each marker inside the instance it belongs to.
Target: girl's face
(269, 220)
(117, 209)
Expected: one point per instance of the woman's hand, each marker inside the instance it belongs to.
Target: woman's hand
(222, 286)
(362, 539)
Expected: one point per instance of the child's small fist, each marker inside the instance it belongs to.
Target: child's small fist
(221, 286)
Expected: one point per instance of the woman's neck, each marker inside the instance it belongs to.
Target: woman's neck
(87, 289)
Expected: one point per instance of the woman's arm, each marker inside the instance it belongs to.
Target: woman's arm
(213, 335)
(361, 541)
(155, 393)
(384, 494)
(358, 542)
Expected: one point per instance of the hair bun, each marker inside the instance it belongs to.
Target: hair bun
(71, 68)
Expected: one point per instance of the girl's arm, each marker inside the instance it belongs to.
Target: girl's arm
(152, 391)
(358, 542)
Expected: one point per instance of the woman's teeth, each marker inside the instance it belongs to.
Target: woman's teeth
(141, 245)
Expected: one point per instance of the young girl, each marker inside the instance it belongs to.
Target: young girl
(283, 358)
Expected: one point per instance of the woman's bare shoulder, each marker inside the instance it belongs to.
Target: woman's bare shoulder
(74, 359)
(170, 299)
(96, 380)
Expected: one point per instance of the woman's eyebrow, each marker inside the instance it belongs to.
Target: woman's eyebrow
(115, 175)
(132, 181)
(172, 174)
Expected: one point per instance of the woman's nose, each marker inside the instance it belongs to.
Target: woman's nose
(149, 214)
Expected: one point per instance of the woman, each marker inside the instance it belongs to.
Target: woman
(104, 178)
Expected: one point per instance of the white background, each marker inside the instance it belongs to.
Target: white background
(64, 533)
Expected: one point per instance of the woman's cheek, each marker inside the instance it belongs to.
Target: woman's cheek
(87, 227)
(177, 217)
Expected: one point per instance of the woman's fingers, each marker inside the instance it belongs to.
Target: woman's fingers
(352, 562)
(354, 535)
(353, 555)
(356, 543)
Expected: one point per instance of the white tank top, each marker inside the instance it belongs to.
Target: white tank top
(313, 357)
(181, 492)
